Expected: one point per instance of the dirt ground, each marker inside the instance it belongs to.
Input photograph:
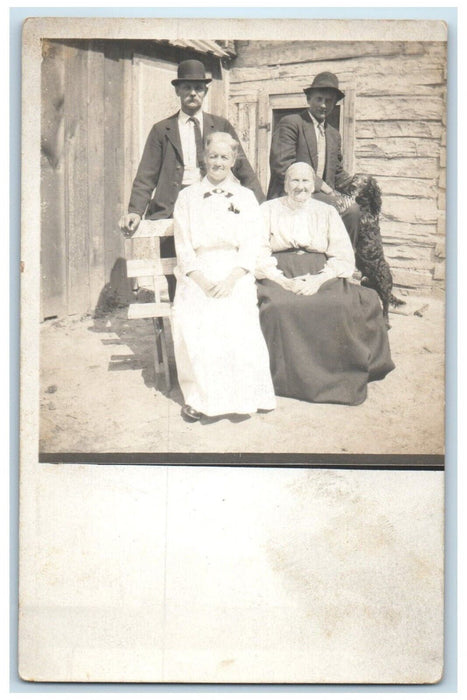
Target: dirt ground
(98, 394)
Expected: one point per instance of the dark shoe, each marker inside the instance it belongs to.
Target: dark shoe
(190, 415)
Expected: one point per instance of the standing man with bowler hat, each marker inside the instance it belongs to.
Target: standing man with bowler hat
(308, 138)
(172, 156)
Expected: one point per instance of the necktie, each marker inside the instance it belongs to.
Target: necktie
(199, 145)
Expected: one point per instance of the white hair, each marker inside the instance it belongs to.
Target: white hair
(222, 137)
(289, 170)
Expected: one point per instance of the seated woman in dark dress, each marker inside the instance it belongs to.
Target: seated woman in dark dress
(326, 335)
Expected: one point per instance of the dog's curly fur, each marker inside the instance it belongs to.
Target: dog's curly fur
(369, 254)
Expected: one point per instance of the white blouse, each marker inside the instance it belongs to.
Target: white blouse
(206, 220)
(312, 226)
(186, 128)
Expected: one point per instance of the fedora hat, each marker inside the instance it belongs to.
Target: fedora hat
(191, 70)
(325, 81)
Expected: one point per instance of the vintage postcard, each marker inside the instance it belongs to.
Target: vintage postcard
(233, 263)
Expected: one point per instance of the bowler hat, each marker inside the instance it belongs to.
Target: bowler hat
(326, 81)
(191, 70)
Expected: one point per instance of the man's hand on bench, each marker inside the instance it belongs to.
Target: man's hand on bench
(129, 223)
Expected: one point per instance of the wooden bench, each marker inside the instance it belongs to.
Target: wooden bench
(148, 235)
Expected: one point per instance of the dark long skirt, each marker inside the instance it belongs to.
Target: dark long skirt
(323, 348)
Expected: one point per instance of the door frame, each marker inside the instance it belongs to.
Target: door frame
(268, 101)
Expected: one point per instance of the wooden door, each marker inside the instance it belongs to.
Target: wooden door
(81, 171)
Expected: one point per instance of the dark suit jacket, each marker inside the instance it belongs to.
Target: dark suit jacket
(161, 167)
(294, 141)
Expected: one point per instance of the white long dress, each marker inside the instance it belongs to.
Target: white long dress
(221, 355)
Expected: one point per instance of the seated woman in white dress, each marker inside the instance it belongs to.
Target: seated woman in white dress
(220, 352)
(326, 336)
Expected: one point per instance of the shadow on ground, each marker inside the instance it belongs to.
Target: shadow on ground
(111, 316)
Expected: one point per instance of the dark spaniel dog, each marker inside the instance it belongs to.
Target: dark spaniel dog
(369, 255)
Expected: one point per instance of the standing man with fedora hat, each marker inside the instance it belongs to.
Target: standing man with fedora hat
(172, 156)
(308, 138)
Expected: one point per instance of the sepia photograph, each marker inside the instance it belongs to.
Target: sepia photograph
(287, 316)
(233, 248)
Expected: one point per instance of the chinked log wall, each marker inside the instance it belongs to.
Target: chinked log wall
(399, 112)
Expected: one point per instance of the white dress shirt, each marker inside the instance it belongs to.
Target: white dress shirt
(321, 142)
(191, 172)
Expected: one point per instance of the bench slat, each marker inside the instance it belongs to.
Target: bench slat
(149, 310)
(150, 268)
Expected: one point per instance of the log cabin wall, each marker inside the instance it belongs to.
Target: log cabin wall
(93, 98)
(392, 123)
